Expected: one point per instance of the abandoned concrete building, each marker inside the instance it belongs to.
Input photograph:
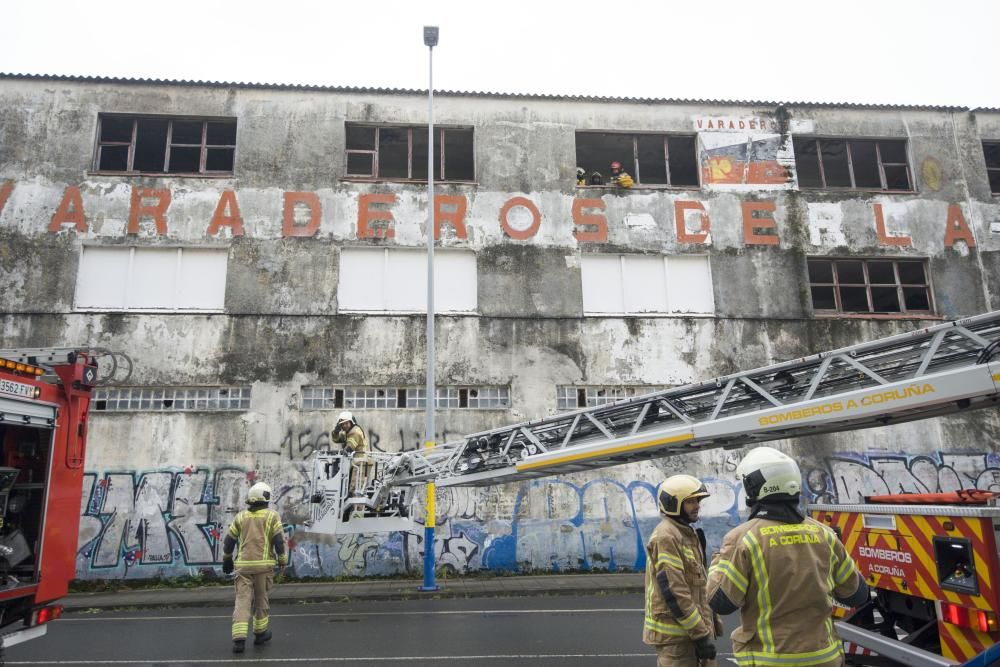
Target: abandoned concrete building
(258, 252)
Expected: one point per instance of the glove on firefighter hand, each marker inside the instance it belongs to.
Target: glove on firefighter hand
(704, 649)
(227, 565)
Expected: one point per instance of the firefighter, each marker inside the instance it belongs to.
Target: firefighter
(355, 443)
(581, 177)
(678, 620)
(258, 539)
(782, 571)
(619, 176)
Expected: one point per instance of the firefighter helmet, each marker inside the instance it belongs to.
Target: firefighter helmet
(345, 416)
(674, 490)
(581, 173)
(259, 493)
(768, 473)
(616, 165)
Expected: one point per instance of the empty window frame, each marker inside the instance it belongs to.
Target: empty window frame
(158, 145)
(170, 399)
(651, 159)
(399, 153)
(170, 279)
(376, 398)
(991, 151)
(572, 397)
(850, 285)
(395, 280)
(866, 164)
(640, 284)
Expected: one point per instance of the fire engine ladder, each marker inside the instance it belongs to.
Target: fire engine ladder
(930, 372)
(112, 366)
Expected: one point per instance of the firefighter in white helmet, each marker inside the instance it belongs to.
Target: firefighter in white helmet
(257, 537)
(678, 621)
(782, 571)
(352, 436)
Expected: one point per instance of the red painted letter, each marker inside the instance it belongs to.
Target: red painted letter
(310, 201)
(752, 225)
(883, 237)
(70, 212)
(5, 191)
(455, 218)
(227, 214)
(683, 235)
(955, 229)
(597, 224)
(367, 214)
(158, 211)
(520, 234)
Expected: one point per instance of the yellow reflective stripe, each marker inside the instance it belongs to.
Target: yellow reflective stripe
(763, 592)
(844, 572)
(729, 570)
(665, 628)
(690, 621)
(608, 451)
(242, 563)
(772, 659)
(240, 630)
(671, 560)
(260, 624)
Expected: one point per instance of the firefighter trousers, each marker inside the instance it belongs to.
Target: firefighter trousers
(680, 654)
(253, 592)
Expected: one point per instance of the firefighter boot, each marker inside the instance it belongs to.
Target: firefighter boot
(239, 645)
(262, 637)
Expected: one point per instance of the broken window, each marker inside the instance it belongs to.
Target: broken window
(991, 151)
(651, 159)
(151, 144)
(572, 397)
(133, 399)
(867, 164)
(399, 153)
(379, 398)
(853, 285)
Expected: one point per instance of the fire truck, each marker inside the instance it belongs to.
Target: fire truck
(44, 398)
(934, 567)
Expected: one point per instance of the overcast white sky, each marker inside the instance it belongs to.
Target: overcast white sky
(885, 51)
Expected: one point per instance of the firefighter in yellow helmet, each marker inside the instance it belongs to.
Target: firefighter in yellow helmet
(678, 620)
(257, 537)
(782, 571)
(352, 436)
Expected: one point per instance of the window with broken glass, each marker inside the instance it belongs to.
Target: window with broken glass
(399, 153)
(991, 151)
(164, 399)
(650, 159)
(876, 286)
(573, 397)
(380, 398)
(158, 145)
(863, 164)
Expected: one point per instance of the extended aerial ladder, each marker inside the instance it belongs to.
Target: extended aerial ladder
(931, 372)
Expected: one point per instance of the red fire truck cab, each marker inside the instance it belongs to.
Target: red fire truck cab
(43, 433)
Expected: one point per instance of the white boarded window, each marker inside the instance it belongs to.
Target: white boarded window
(395, 280)
(638, 284)
(130, 278)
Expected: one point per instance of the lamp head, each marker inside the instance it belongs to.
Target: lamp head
(430, 35)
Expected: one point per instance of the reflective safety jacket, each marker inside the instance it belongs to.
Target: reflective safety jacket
(355, 441)
(676, 604)
(783, 577)
(259, 541)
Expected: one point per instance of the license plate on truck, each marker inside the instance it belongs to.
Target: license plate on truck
(16, 389)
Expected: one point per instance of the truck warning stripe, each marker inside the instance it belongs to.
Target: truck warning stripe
(599, 453)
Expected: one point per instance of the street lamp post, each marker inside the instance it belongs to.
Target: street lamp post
(430, 41)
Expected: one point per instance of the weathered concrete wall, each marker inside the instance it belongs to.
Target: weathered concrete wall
(162, 487)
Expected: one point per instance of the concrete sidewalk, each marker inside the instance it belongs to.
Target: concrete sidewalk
(393, 589)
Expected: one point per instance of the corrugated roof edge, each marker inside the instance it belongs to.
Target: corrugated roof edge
(459, 93)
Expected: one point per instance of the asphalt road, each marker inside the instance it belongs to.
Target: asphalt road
(557, 631)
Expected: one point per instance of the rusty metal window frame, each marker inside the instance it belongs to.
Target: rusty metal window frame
(849, 151)
(665, 136)
(368, 397)
(440, 153)
(867, 284)
(203, 146)
(992, 170)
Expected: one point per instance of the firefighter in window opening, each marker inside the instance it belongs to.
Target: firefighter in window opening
(782, 571)
(678, 621)
(619, 176)
(256, 535)
(356, 444)
(581, 177)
